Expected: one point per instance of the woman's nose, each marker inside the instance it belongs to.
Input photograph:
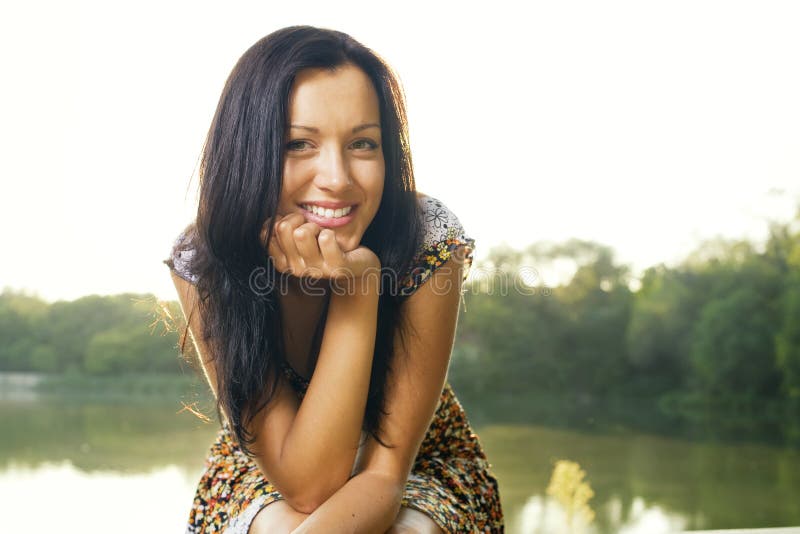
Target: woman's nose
(333, 173)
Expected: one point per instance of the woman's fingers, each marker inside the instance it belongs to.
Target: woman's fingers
(273, 247)
(305, 237)
(265, 230)
(285, 228)
(303, 248)
(332, 253)
(277, 255)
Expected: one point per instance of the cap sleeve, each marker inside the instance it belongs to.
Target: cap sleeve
(179, 260)
(443, 234)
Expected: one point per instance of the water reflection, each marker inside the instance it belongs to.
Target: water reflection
(103, 462)
(542, 515)
(642, 480)
(61, 497)
(101, 436)
(98, 464)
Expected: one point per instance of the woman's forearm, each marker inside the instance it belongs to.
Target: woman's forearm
(368, 503)
(322, 442)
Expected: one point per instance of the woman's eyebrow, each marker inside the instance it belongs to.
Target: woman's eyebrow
(355, 130)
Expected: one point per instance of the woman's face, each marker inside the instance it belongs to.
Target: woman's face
(333, 157)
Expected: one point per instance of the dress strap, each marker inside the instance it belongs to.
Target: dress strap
(298, 382)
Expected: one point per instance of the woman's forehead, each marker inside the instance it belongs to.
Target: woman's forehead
(328, 97)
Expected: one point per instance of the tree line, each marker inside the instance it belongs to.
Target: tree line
(720, 327)
(93, 335)
(723, 325)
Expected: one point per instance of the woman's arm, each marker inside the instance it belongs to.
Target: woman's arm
(307, 449)
(421, 364)
(370, 501)
(315, 456)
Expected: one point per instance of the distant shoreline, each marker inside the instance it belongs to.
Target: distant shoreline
(31, 387)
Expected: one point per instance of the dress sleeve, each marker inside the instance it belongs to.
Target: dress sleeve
(179, 260)
(443, 234)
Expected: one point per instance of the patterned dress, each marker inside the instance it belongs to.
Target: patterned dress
(451, 480)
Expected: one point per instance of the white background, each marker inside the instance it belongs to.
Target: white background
(647, 126)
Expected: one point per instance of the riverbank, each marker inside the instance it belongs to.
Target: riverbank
(139, 387)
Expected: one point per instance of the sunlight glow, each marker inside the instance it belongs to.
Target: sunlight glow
(644, 126)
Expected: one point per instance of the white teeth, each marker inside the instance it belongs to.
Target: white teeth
(328, 213)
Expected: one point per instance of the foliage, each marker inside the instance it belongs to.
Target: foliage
(93, 335)
(568, 487)
(721, 327)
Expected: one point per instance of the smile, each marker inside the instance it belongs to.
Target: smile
(329, 217)
(328, 213)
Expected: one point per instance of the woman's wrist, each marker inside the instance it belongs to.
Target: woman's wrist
(365, 284)
(368, 502)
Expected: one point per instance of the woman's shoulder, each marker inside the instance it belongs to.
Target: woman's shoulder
(181, 254)
(442, 233)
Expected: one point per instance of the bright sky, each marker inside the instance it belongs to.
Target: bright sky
(647, 126)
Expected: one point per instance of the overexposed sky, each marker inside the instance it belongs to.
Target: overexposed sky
(647, 126)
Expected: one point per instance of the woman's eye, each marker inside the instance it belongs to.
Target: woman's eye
(299, 146)
(295, 145)
(365, 143)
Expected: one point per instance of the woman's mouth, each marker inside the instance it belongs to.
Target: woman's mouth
(327, 217)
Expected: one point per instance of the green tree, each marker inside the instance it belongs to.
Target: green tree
(733, 352)
(788, 338)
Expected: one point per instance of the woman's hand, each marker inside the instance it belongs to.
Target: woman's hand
(305, 249)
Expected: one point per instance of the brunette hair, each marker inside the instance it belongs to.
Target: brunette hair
(241, 175)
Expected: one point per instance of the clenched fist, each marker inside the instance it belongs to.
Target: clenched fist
(305, 249)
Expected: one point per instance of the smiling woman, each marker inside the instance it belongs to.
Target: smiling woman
(335, 411)
(330, 164)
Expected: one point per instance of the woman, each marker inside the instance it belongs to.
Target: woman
(321, 292)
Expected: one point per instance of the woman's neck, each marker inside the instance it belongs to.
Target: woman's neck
(307, 289)
(302, 306)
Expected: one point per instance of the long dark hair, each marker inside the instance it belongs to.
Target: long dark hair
(241, 174)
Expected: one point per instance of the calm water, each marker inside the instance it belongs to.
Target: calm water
(102, 465)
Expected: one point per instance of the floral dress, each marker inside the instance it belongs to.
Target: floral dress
(451, 480)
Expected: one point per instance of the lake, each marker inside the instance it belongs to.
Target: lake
(96, 466)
